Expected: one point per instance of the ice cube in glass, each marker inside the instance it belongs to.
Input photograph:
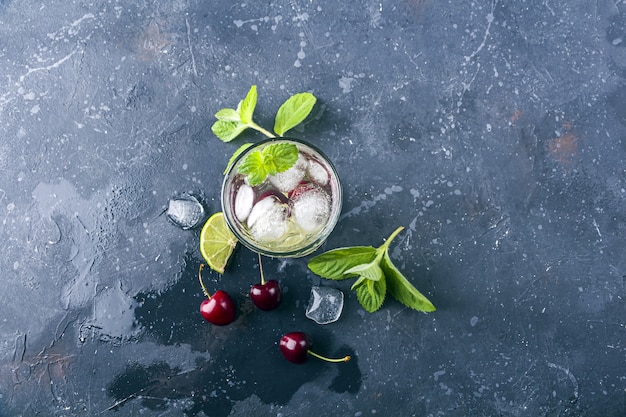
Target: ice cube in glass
(267, 220)
(288, 180)
(311, 206)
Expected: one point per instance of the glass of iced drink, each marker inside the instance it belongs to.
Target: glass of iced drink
(289, 214)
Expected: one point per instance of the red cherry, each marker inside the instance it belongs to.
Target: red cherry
(218, 309)
(265, 295)
(296, 346)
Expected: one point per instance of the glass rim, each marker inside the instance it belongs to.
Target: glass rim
(291, 253)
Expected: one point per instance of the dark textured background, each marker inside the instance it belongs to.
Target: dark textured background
(493, 131)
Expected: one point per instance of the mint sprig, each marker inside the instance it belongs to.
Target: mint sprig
(272, 160)
(376, 274)
(232, 122)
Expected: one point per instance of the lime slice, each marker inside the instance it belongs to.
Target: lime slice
(217, 242)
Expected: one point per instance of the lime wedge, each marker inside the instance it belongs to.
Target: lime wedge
(217, 242)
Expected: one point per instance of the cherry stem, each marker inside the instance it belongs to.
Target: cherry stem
(204, 290)
(324, 358)
(261, 269)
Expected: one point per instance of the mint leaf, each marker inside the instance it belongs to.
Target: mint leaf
(227, 131)
(371, 294)
(253, 167)
(370, 271)
(293, 111)
(246, 107)
(402, 290)
(399, 287)
(279, 157)
(238, 152)
(228, 115)
(357, 283)
(274, 158)
(334, 263)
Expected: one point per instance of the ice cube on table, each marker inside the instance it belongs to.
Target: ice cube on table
(268, 219)
(288, 180)
(325, 305)
(243, 202)
(318, 173)
(185, 211)
(311, 206)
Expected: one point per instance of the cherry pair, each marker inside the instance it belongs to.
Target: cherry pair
(219, 309)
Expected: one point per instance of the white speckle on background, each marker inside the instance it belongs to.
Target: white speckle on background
(345, 83)
(490, 19)
(301, 54)
(438, 374)
(367, 204)
(569, 374)
(393, 189)
(277, 20)
(473, 321)
(301, 17)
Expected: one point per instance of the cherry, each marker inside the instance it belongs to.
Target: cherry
(302, 188)
(265, 295)
(296, 346)
(218, 309)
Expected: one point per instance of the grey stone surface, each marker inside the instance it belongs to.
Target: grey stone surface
(493, 131)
